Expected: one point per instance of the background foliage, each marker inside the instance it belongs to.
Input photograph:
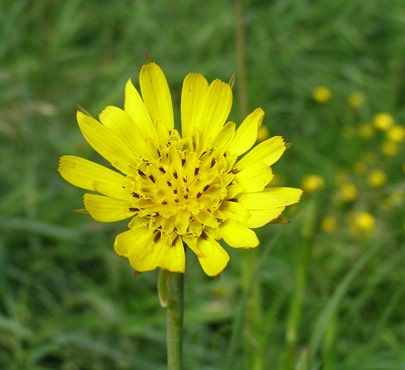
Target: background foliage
(326, 291)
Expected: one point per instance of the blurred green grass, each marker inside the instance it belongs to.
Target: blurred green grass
(316, 298)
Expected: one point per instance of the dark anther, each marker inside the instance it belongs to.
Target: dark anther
(157, 237)
(175, 175)
(176, 200)
(133, 209)
(204, 235)
(161, 169)
(169, 183)
(140, 172)
(205, 188)
(232, 200)
(175, 191)
(152, 179)
(213, 162)
(164, 202)
(183, 161)
(185, 196)
(196, 170)
(199, 195)
(135, 195)
(234, 171)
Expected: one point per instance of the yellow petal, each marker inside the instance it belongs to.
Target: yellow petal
(215, 257)
(246, 134)
(237, 235)
(106, 209)
(193, 94)
(172, 257)
(267, 152)
(261, 217)
(271, 198)
(146, 254)
(156, 95)
(106, 143)
(120, 123)
(137, 241)
(234, 211)
(254, 178)
(136, 110)
(225, 136)
(84, 173)
(216, 109)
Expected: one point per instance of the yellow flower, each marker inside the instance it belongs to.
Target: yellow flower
(348, 192)
(321, 94)
(396, 133)
(376, 178)
(312, 183)
(182, 190)
(390, 148)
(356, 99)
(364, 221)
(383, 121)
(329, 224)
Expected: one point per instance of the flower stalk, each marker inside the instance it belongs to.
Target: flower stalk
(175, 308)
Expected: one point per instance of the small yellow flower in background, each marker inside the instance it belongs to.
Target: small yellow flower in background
(396, 133)
(365, 130)
(376, 178)
(390, 148)
(329, 224)
(363, 221)
(383, 121)
(347, 192)
(356, 99)
(181, 189)
(312, 183)
(322, 94)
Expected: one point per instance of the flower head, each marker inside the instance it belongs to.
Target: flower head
(356, 99)
(312, 183)
(383, 121)
(190, 189)
(322, 94)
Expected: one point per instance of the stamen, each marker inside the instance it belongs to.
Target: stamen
(157, 236)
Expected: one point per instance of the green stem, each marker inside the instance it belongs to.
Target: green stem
(241, 59)
(174, 335)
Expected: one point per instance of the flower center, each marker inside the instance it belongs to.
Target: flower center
(179, 189)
